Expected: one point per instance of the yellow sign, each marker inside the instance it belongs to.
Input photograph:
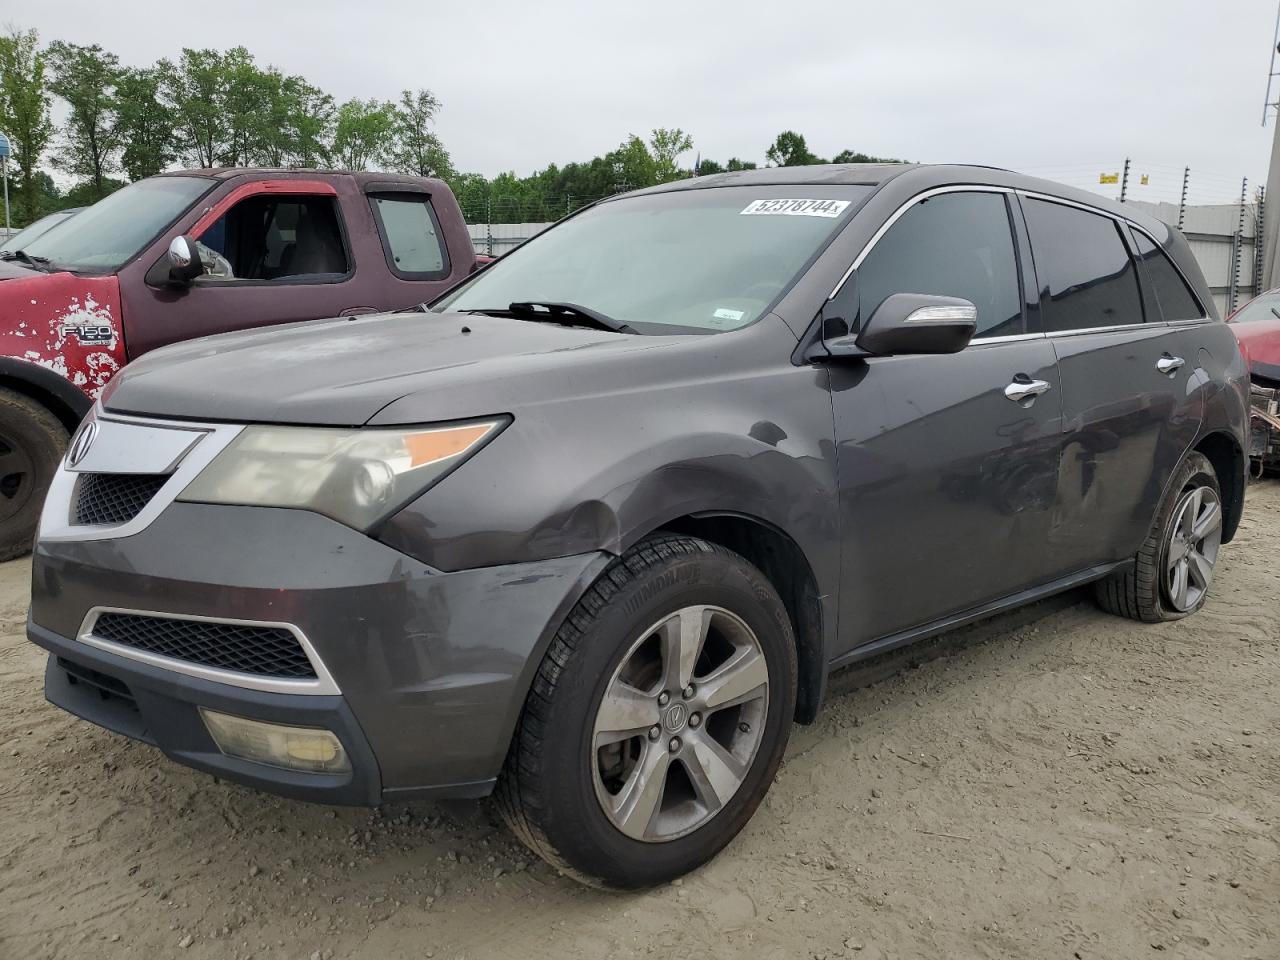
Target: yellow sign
(1108, 178)
(1145, 180)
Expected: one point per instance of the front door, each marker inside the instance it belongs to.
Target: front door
(274, 251)
(947, 465)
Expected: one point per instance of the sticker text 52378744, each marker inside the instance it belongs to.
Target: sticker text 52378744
(796, 208)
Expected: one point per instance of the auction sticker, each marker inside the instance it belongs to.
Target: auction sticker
(795, 208)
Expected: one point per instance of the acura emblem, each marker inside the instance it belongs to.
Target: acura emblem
(81, 443)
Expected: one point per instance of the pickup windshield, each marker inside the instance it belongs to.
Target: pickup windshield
(687, 261)
(114, 230)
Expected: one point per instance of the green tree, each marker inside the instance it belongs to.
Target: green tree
(194, 90)
(308, 124)
(85, 78)
(144, 123)
(632, 166)
(415, 149)
(706, 167)
(666, 145)
(363, 133)
(24, 111)
(850, 156)
(735, 164)
(790, 150)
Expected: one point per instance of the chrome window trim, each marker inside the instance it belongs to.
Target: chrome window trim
(1011, 338)
(55, 519)
(1114, 328)
(1195, 322)
(322, 685)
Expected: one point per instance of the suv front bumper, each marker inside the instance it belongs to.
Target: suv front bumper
(431, 669)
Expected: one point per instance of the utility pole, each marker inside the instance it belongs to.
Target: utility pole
(1182, 203)
(1237, 247)
(5, 150)
(1271, 225)
(1124, 180)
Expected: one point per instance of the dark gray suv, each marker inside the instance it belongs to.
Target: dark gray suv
(592, 530)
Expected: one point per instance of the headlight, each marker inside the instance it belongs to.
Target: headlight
(357, 477)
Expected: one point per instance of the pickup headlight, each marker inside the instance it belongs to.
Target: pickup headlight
(357, 477)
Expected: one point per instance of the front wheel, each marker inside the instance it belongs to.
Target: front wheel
(32, 441)
(657, 719)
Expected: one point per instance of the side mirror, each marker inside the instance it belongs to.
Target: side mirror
(908, 323)
(184, 261)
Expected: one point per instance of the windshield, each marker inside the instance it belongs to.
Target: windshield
(688, 261)
(42, 226)
(114, 230)
(1265, 307)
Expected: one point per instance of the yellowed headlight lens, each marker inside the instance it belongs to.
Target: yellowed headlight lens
(357, 477)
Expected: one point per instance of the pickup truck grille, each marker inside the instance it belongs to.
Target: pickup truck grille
(243, 648)
(109, 498)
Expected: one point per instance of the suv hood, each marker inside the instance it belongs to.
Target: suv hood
(342, 372)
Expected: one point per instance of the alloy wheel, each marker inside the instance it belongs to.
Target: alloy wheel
(680, 723)
(1191, 547)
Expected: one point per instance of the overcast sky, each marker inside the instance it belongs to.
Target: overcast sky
(1060, 89)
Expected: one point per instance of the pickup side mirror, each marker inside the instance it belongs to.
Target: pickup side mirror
(908, 323)
(184, 261)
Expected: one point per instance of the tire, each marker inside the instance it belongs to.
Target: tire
(1144, 591)
(553, 791)
(32, 441)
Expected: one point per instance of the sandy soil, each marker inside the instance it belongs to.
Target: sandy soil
(1077, 786)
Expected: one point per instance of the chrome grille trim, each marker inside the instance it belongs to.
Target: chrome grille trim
(322, 685)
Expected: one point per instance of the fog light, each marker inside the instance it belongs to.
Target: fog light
(312, 749)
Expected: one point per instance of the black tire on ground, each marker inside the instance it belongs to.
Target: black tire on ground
(1138, 592)
(547, 793)
(32, 441)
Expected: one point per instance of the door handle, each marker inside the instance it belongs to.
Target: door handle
(1024, 390)
(1169, 364)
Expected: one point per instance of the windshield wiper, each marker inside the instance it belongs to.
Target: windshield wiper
(40, 263)
(568, 314)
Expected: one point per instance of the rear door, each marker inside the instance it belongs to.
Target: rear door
(947, 465)
(1130, 404)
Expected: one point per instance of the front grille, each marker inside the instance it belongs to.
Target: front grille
(263, 651)
(108, 498)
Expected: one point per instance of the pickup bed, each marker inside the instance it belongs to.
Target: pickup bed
(274, 246)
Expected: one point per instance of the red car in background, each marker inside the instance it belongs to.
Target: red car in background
(1257, 327)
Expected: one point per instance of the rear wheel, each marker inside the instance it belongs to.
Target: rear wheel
(657, 719)
(32, 441)
(1172, 572)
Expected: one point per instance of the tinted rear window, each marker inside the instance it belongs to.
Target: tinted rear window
(1086, 276)
(1176, 299)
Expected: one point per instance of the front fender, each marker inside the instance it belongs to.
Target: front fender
(67, 325)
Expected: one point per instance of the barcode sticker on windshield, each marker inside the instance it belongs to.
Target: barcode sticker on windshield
(796, 208)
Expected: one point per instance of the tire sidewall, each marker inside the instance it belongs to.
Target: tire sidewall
(44, 438)
(1196, 471)
(573, 818)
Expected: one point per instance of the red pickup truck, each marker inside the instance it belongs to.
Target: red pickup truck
(189, 254)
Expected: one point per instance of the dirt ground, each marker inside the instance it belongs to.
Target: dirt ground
(1077, 786)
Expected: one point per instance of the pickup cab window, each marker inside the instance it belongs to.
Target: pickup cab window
(410, 237)
(273, 237)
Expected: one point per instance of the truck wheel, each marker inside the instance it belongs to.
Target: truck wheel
(32, 441)
(657, 719)
(1171, 574)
